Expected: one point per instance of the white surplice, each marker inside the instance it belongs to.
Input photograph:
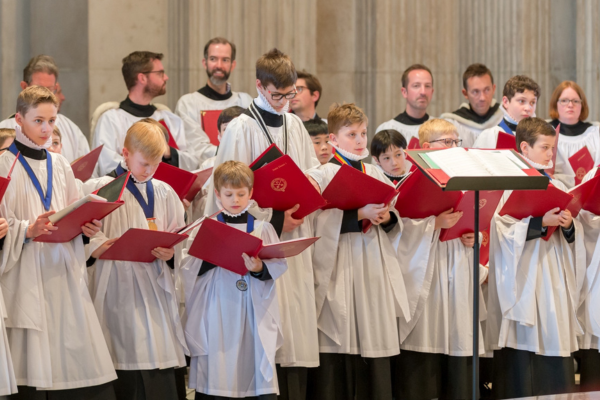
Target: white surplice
(8, 382)
(534, 287)
(190, 106)
(233, 335)
(111, 130)
(55, 338)
(469, 130)
(408, 131)
(244, 141)
(136, 302)
(488, 138)
(359, 288)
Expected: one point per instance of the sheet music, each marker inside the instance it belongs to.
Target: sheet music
(459, 162)
(497, 163)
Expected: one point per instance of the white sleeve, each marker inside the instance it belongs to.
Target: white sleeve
(106, 133)
(198, 141)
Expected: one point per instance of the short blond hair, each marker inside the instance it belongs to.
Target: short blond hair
(344, 115)
(33, 96)
(6, 133)
(234, 174)
(434, 128)
(146, 136)
(56, 131)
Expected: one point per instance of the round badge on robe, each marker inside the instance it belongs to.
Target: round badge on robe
(241, 285)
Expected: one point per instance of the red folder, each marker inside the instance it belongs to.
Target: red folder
(585, 196)
(223, 245)
(137, 244)
(179, 179)
(414, 143)
(582, 162)
(5, 181)
(281, 185)
(209, 120)
(171, 142)
(69, 227)
(201, 178)
(84, 166)
(271, 154)
(506, 141)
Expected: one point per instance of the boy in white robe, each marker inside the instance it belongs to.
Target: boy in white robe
(219, 62)
(53, 331)
(519, 99)
(145, 78)
(481, 111)
(268, 121)
(534, 286)
(569, 108)
(136, 302)
(319, 134)
(387, 150)
(359, 288)
(233, 312)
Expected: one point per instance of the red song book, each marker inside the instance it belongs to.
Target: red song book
(585, 196)
(506, 141)
(488, 202)
(170, 139)
(201, 178)
(281, 185)
(223, 245)
(582, 162)
(209, 120)
(179, 179)
(271, 154)
(84, 166)
(414, 143)
(137, 244)
(70, 220)
(5, 181)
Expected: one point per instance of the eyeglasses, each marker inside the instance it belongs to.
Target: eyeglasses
(160, 73)
(300, 89)
(279, 96)
(565, 102)
(448, 142)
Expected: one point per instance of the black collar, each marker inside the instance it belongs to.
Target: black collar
(354, 164)
(137, 110)
(272, 120)
(28, 152)
(468, 114)
(571, 130)
(512, 126)
(406, 119)
(212, 94)
(240, 219)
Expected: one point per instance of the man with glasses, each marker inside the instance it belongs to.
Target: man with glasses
(219, 62)
(304, 105)
(42, 71)
(481, 110)
(145, 79)
(417, 89)
(267, 121)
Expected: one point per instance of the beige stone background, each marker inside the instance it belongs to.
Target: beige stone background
(358, 48)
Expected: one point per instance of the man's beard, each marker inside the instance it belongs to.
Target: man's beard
(217, 81)
(155, 91)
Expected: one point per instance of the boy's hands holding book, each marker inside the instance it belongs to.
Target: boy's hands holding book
(41, 226)
(100, 250)
(376, 213)
(552, 217)
(163, 253)
(468, 239)
(447, 219)
(254, 264)
(91, 228)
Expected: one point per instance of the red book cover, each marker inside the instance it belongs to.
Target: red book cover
(488, 201)
(484, 249)
(271, 154)
(582, 162)
(201, 178)
(137, 244)
(171, 142)
(506, 141)
(414, 143)
(84, 166)
(281, 185)
(5, 181)
(179, 179)
(224, 245)
(351, 189)
(585, 196)
(209, 120)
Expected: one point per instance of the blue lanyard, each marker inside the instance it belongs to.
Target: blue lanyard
(505, 127)
(47, 199)
(147, 207)
(249, 223)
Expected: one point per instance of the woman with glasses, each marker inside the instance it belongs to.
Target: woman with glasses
(569, 108)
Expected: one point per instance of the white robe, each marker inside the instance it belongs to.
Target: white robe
(111, 130)
(74, 142)
(189, 108)
(244, 141)
(233, 335)
(488, 138)
(569, 145)
(136, 302)
(408, 131)
(439, 280)
(359, 287)
(534, 287)
(8, 382)
(55, 338)
(469, 130)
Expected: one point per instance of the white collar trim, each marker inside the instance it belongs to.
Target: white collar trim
(22, 138)
(352, 156)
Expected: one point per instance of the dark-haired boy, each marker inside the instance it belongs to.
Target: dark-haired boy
(319, 134)
(387, 150)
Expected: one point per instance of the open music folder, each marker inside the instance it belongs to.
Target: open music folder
(209, 119)
(83, 167)
(137, 244)
(185, 183)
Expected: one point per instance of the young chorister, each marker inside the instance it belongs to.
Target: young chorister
(267, 121)
(359, 288)
(233, 324)
(387, 150)
(55, 338)
(136, 302)
(436, 343)
(533, 289)
(319, 134)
